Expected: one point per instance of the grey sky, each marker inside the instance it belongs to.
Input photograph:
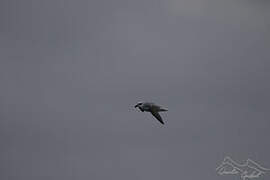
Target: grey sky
(71, 72)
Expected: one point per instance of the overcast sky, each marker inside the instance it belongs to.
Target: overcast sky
(72, 71)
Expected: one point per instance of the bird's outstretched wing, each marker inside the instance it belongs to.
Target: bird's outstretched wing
(157, 116)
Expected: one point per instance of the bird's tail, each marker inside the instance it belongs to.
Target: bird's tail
(163, 109)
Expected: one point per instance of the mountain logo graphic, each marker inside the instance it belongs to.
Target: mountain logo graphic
(248, 170)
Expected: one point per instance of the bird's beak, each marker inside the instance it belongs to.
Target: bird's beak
(136, 105)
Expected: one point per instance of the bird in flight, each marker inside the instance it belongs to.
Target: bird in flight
(152, 108)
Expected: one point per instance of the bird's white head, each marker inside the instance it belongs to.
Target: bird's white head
(138, 104)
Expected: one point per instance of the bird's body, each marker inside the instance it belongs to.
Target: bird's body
(152, 108)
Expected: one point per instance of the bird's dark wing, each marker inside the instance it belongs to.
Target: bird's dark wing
(157, 116)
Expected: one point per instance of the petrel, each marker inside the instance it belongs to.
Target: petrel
(152, 108)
